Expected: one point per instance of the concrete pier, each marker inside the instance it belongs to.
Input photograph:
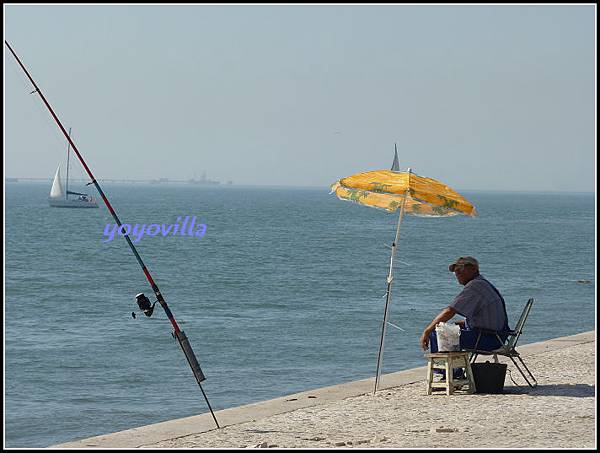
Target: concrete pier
(559, 412)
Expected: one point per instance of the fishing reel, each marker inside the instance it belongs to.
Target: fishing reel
(144, 304)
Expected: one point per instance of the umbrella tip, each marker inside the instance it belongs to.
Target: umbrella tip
(395, 164)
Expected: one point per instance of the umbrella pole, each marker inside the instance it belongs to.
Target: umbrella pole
(388, 295)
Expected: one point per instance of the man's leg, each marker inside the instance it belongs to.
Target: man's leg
(438, 375)
(468, 340)
(433, 346)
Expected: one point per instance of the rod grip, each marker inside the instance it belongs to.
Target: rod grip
(190, 356)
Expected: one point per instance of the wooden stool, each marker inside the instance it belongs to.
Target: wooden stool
(448, 361)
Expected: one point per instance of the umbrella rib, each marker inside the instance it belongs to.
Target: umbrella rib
(394, 325)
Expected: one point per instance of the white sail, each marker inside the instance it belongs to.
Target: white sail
(57, 190)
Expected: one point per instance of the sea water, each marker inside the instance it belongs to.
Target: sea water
(283, 293)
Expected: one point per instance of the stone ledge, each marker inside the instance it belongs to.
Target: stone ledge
(173, 429)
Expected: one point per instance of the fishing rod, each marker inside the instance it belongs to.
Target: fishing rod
(141, 300)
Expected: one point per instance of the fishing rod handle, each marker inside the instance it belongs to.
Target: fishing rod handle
(189, 355)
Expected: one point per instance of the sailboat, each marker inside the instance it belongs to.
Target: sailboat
(59, 198)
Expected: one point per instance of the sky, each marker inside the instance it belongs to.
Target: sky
(485, 97)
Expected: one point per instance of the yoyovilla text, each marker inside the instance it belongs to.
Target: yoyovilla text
(137, 231)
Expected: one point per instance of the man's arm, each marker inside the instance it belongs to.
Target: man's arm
(445, 315)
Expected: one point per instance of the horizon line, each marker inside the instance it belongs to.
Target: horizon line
(230, 184)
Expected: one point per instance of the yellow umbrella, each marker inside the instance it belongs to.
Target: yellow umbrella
(413, 194)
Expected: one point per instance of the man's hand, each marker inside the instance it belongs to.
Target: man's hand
(425, 340)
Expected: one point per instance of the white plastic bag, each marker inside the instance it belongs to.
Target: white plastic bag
(448, 337)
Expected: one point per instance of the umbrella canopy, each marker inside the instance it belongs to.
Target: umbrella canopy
(387, 189)
(412, 194)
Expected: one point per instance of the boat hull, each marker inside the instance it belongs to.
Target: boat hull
(62, 203)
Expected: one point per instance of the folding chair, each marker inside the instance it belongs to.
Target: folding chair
(508, 344)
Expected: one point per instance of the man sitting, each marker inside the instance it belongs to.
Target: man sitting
(479, 302)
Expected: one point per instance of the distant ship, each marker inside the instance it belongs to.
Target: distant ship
(203, 181)
(159, 181)
(59, 198)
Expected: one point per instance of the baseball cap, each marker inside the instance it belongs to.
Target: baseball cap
(464, 261)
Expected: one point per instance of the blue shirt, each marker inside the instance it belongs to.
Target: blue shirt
(481, 305)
